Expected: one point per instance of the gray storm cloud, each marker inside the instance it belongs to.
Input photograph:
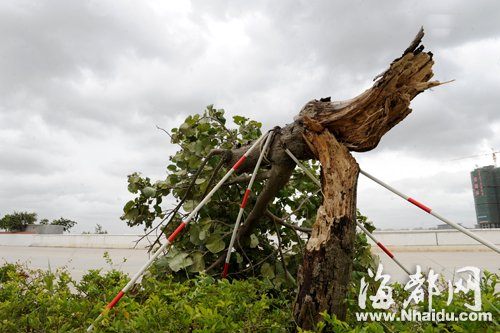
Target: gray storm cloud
(83, 84)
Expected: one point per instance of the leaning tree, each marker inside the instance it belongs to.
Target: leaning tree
(325, 131)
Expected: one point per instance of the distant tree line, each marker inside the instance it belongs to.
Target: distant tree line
(18, 221)
(97, 230)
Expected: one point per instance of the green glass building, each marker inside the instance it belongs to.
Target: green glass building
(486, 191)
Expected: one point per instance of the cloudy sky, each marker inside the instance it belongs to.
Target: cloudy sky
(84, 83)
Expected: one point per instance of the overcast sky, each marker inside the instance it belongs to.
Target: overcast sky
(84, 83)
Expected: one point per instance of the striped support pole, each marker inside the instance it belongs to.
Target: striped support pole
(430, 211)
(171, 238)
(369, 234)
(309, 174)
(383, 248)
(243, 204)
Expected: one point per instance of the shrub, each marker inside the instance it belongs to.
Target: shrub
(44, 301)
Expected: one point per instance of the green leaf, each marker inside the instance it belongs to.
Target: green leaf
(162, 184)
(198, 148)
(191, 147)
(194, 234)
(194, 162)
(173, 179)
(149, 191)
(267, 270)
(239, 258)
(254, 241)
(131, 214)
(181, 172)
(203, 186)
(128, 206)
(239, 120)
(202, 235)
(179, 261)
(132, 188)
(215, 243)
(189, 205)
(134, 178)
(198, 262)
(199, 181)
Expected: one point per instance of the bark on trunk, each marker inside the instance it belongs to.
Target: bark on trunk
(328, 130)
(326, 272)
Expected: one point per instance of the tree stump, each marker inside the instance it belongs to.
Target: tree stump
(326, 272)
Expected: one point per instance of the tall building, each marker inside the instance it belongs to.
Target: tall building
(486, 190)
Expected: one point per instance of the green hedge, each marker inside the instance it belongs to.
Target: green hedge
(44, 301)
(41, 301)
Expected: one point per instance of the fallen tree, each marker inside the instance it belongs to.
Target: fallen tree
(327, 131)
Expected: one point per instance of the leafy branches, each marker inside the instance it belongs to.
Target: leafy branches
(205, 141)
(285, 197)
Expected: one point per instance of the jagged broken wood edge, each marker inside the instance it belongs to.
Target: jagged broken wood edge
(359, 123)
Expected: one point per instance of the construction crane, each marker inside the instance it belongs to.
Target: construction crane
(493, 155)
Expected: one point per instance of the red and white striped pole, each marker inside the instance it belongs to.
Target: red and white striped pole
(171, 238)
(383, 248)
(243, 204)
(307, 172)
(369, 234)
(430, 211)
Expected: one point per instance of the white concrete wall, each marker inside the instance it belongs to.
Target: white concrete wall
(405, 238)
(16, 239)
(435, 237)
(389, 238)
(88, 241)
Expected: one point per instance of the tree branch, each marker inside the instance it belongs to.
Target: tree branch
(279, 176)
(302, 203)
(218, 262)
(246, 177)
(186, 194)
(216, 172)
(283, 263)
(246, 257)
(282, 222)
(257, 264)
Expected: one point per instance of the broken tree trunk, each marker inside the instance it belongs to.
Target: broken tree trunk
(327, 131)
(325, 275)
(358, 123)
